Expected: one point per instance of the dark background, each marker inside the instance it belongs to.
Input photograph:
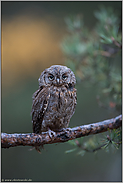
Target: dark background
(32, 33)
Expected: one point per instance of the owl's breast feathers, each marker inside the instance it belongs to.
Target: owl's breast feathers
(52, 108)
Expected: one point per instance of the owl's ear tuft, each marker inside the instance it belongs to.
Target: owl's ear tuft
(73, 79)
(41, 79)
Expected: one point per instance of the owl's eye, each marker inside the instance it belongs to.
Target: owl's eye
(51, 77)
(64, 76)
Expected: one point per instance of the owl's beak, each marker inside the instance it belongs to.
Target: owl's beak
(58, 80)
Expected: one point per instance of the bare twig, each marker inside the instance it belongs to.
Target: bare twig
(116, 42)
(31, 139)
(89, 150)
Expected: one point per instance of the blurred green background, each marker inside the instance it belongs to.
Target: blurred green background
(32, 33)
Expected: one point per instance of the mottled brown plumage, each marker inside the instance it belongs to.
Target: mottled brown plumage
(55, 100)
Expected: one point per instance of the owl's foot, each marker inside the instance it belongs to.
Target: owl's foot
(68, 129)
(65, 129)
(51, 133)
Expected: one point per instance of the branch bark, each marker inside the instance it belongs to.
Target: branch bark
(32, 139)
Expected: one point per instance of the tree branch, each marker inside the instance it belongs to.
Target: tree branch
(32, 139)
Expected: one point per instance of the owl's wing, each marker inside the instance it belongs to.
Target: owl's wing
(36, 93)
(39, 106)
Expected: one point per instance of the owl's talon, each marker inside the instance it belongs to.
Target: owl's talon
(68, 129)
(65, 129)
(51, 133)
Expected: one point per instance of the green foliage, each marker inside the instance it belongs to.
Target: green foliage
(112, 139)
(95, 55)
(108, 25)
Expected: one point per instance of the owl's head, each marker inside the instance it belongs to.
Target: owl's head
(57, 75)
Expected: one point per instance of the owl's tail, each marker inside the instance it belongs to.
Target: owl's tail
(37, 148)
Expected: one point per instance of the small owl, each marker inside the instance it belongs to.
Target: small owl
(55, 100)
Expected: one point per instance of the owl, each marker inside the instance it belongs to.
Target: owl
(55, 100)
